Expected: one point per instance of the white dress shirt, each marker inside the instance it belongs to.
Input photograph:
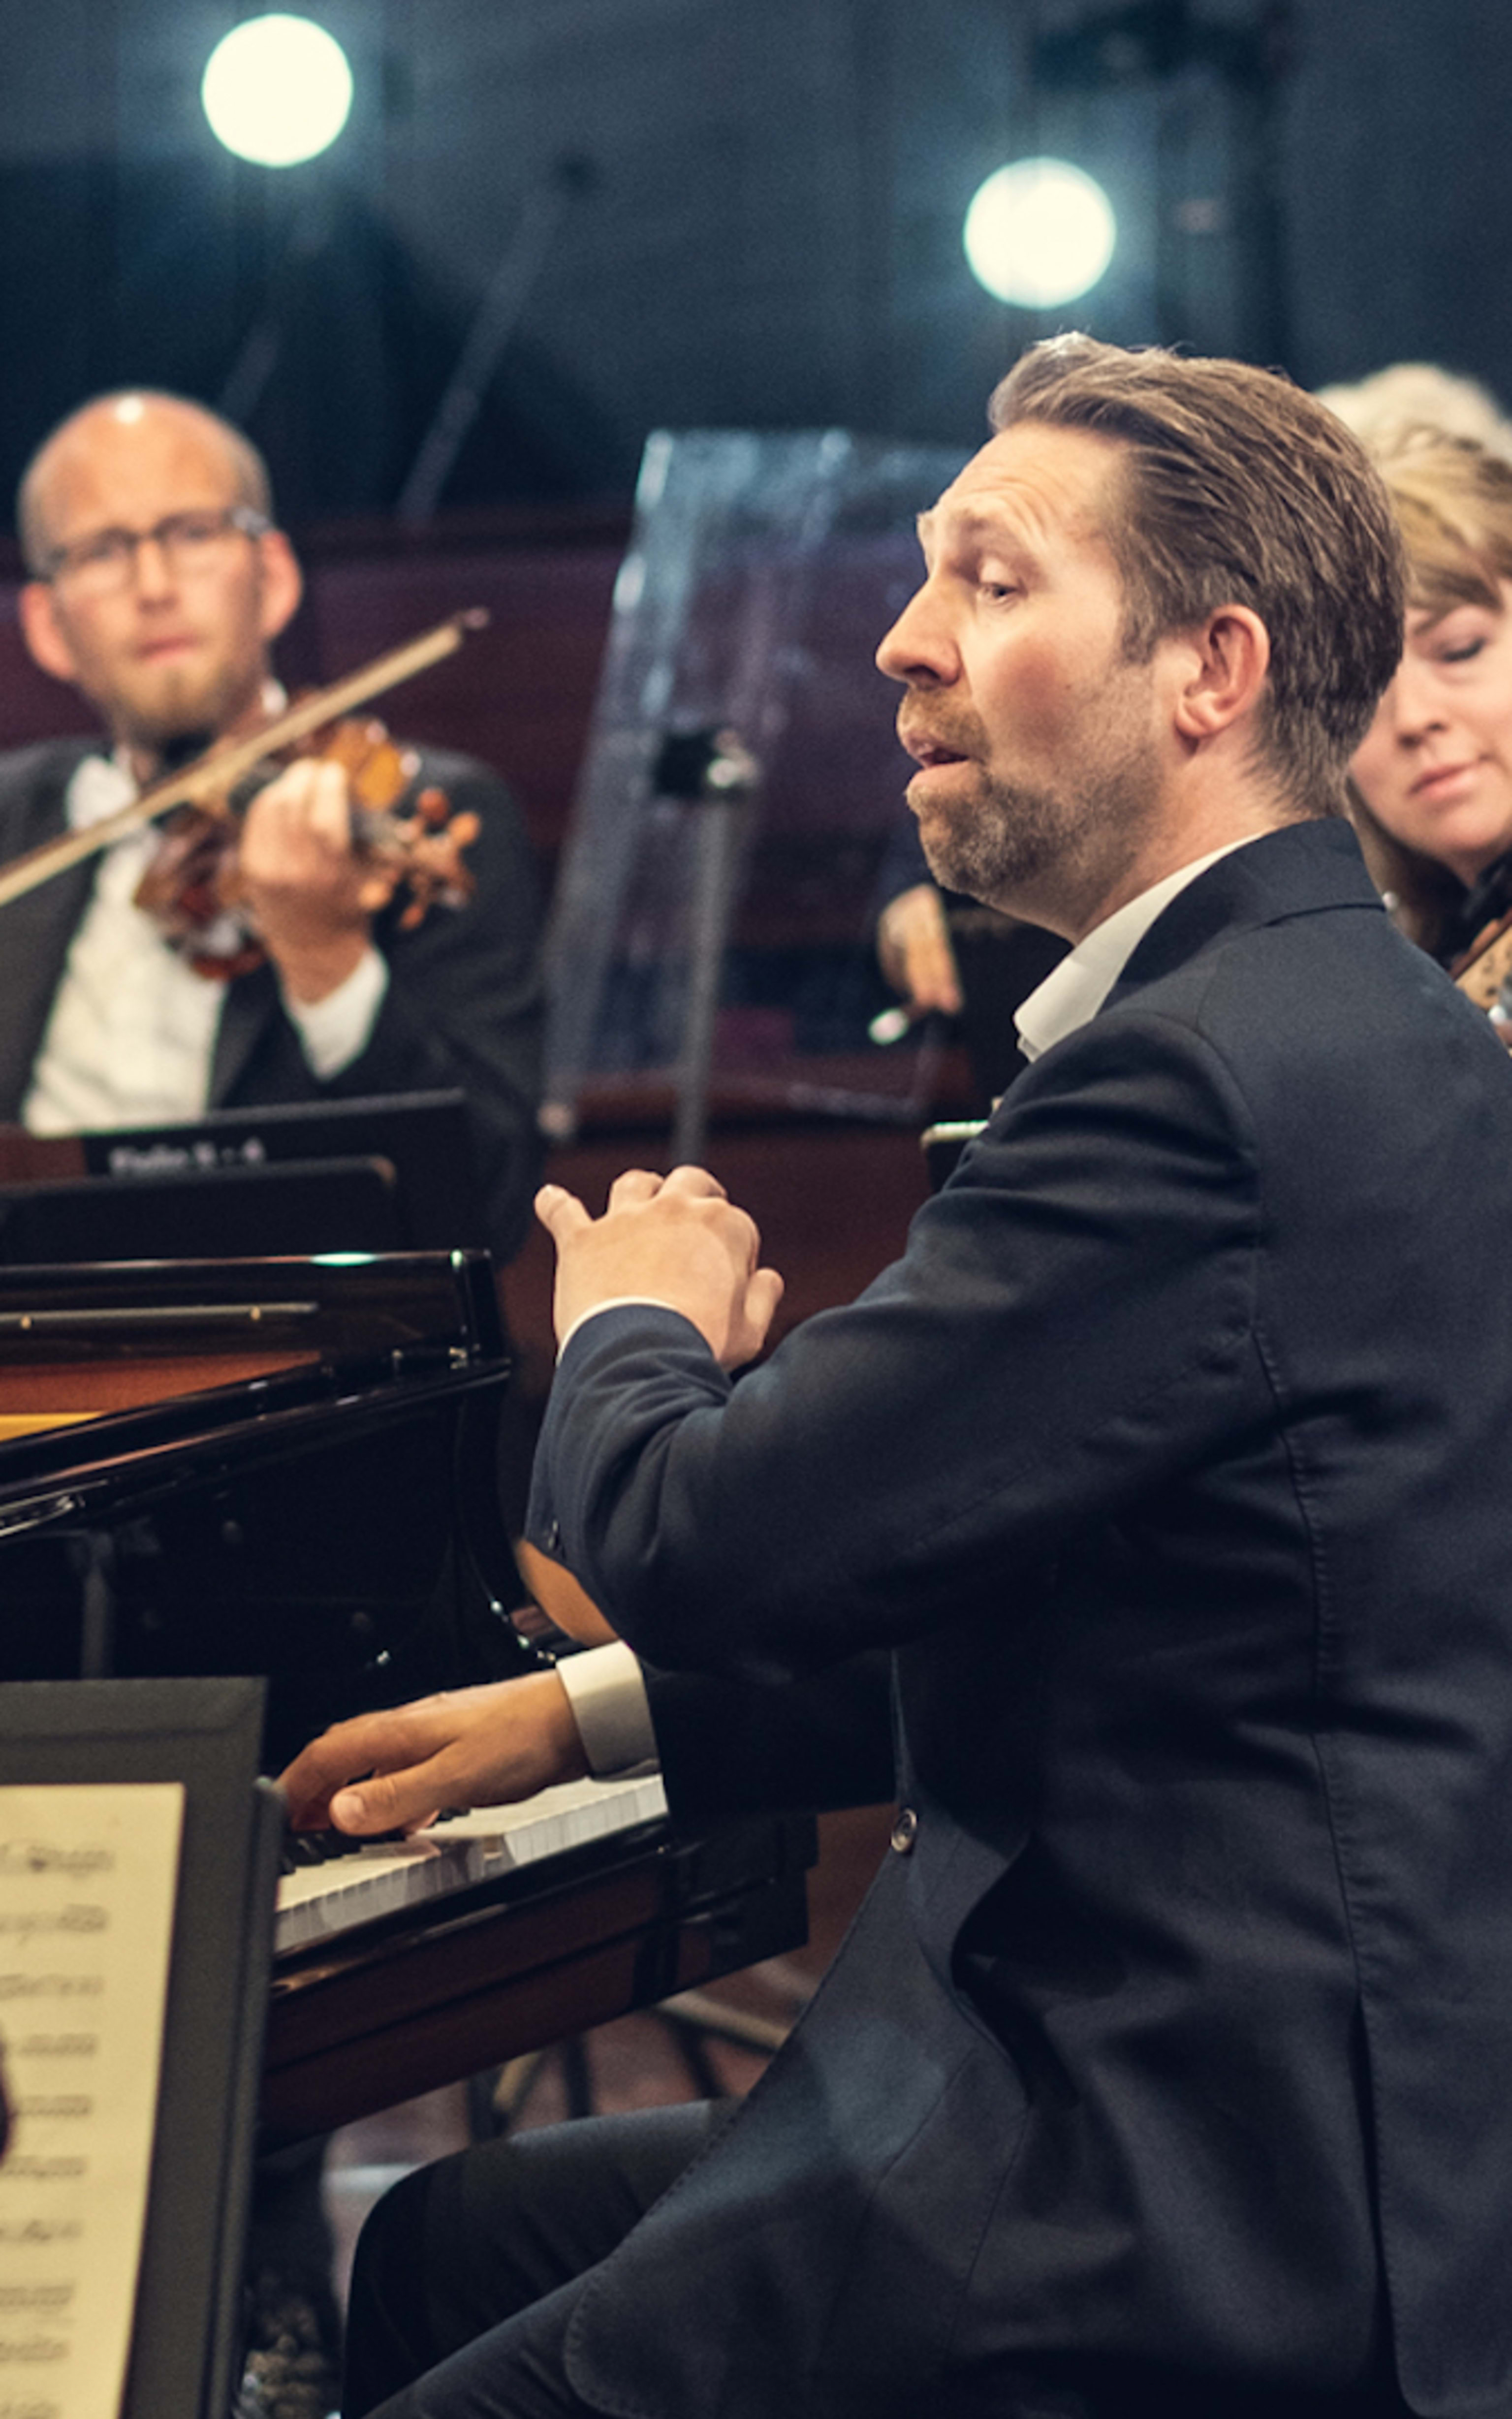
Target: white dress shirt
(1072, 991)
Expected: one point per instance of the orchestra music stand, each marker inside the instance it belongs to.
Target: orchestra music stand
(386, 1174)
(204, 1734)
(204, 1213)
(761, 570)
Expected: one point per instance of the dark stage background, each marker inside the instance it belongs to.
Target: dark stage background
(759, 221)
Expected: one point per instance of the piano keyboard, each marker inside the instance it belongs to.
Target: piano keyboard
(384, 1878)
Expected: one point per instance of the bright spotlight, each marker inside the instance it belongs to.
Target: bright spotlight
(1039, 232)
(277, 90)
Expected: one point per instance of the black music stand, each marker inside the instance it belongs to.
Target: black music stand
(204, 1734)
(367, 1174)
(204, 1213)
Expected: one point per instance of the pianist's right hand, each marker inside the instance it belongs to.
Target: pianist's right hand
(471, 1747)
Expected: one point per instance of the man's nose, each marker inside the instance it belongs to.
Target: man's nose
(152, 573)
(919, 648)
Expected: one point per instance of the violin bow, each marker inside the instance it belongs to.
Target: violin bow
(222, 767)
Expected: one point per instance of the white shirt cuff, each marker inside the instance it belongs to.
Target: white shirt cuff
(336, 1030)
(607, 1697)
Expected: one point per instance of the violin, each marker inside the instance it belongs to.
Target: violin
(191, 887)
(1484, 973)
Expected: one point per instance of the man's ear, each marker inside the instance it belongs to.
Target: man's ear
(282, 583)
(46, 639)
(1232, 660)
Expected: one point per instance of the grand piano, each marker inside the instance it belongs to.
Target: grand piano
(291, 1466)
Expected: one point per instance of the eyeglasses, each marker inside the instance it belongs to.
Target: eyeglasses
(187, 543)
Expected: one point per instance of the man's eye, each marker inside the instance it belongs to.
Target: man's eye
(1464, 653)
(109, 547)
(194, 529)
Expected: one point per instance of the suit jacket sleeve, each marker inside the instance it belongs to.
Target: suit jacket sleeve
(1071, 1322)
(728, 1748)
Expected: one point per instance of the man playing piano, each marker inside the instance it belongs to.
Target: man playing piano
(158, 585)
(1168, 2067)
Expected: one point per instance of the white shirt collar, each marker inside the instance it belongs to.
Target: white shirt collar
(1072, 994)
(100, 785)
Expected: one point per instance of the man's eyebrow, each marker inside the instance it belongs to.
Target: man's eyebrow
(972, 526)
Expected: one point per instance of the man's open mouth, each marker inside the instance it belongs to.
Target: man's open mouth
(926, 751)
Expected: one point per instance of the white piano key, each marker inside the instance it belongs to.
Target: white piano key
(319, 1900)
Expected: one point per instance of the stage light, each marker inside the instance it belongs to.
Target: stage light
(277, 90)
(1039, 232)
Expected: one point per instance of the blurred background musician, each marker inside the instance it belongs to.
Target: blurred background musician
(158, 585)
(1432, 782)
(946, 955)
(1419, 395)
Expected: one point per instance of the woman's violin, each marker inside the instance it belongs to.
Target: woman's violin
(191, 887)
(1484, 974)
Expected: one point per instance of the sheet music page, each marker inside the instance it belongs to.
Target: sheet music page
(88, 1878)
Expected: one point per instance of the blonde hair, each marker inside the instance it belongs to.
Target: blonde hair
(1451, 497)
(1419, 395)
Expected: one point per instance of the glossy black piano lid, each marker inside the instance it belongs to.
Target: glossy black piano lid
(351, 1304)
(335, 1523)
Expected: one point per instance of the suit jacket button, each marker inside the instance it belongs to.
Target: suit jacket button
(904, 1831)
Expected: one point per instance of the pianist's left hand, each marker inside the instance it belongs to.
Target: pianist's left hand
(676, 1239)
(471, 1747)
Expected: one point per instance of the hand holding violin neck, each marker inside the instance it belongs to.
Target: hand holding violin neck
(310, 894)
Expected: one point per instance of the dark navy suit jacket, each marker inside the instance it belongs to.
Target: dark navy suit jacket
(1173, 2056)
(464, 1005)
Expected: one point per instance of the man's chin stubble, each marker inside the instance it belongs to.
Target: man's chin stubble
(1014, 840)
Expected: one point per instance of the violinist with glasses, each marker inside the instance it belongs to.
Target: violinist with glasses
(158, 584)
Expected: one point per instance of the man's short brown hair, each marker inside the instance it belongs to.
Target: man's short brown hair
(1238, 489)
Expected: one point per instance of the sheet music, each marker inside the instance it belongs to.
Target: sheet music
(88, 1878)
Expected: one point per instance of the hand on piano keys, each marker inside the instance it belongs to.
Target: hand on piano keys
(333, 1886)
(396, 1770)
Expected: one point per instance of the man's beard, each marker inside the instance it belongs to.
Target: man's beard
(191, 709)
(1014, 847)
(1003, 844)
